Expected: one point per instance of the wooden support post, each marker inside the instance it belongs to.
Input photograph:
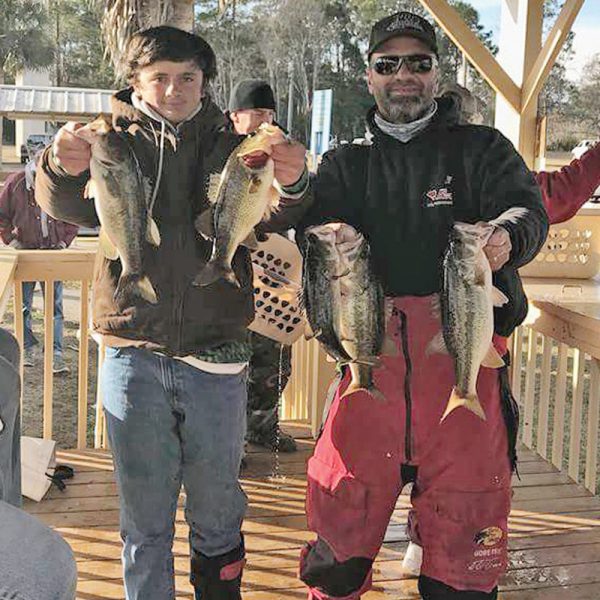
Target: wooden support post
(20, 331)
(48, 356)
(481, 58)
(547, 57)
(520, 44)
(82, 388)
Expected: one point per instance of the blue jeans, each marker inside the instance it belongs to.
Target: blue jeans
(10, 436)
(30, 339)
(171, 424)
(36, 563)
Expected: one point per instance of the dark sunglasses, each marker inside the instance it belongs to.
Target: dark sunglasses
(415, 63)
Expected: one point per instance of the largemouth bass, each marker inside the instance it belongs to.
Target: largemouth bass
(121, 196)
(242, 198)
(344, 302)
(467, 303)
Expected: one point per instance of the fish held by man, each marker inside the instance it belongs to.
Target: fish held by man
(344, 302)
(467, 306)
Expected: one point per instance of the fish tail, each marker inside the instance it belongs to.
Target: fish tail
(213, 271)
(355, 387)
(132, 286)
(470, 402)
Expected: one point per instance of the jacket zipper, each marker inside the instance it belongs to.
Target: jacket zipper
(407, 386)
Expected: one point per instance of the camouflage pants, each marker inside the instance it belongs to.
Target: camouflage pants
(265, 384)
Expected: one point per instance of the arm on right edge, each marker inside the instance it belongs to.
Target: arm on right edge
(564, 192)
(61, 195)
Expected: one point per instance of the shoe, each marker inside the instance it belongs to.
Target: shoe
(28, 358)
(286, 442)
(60, 366)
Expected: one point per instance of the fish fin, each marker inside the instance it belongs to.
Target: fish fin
(212, 272)
(212, 193)
(106, 246)
(310, 333)
(437, 345)
(272, 205)
(204, 224)
(250, 242)
(512, 215)
(469, 402)
(436, 307)
(389, 347)
(301, 302)
(498, 297)
(492, 359)
(132, 286)
(369, 361)
(152, 232)
(90, 191)
(353, 388)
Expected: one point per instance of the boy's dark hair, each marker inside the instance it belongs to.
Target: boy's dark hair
(168, 43)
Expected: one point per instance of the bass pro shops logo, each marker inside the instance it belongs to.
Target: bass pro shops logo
(440, 195)
(489, 536)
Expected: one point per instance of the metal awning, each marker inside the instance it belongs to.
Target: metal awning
(52, 103)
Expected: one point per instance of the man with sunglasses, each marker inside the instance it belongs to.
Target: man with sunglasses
(423, 171)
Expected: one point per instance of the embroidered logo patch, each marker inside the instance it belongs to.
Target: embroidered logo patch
(440, 195)
(489, 536)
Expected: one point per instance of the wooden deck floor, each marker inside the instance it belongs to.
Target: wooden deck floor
(555, 532)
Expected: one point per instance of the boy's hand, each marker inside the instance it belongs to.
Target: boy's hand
(71, 152)
(289, 159)
(498, 248)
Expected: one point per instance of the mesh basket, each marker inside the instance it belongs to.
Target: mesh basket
(277, 267)
(567, 253)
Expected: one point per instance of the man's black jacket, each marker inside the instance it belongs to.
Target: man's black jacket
(404, 198)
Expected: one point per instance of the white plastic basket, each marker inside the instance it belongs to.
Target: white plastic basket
(567, 253)
(277, 267)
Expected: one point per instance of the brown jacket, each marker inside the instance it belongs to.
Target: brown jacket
(187, 319)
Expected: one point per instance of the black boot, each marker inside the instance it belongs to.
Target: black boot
(218, 577)
(431, 589)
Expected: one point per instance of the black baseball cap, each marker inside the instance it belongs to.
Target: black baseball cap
(251, 93)
(399, 24)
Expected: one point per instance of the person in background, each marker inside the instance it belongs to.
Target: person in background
(35, 562)
(24, 225)
(564, 191)
(252, 103)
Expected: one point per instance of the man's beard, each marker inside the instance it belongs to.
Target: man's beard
(403, 109)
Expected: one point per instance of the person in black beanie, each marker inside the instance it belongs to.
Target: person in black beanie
(252, 103)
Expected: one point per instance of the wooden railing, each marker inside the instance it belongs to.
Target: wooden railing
(302, 400)
(555, 371)
(74, 264)
(556, 380)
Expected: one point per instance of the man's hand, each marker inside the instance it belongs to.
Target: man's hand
(71, 152)
(498, 248)
(289, 162)
(16, 244)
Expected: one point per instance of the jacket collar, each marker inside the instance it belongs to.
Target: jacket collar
(125, 114)
(446, 115)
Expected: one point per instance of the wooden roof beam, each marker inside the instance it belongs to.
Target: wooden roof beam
(547, 57)
(483, 60)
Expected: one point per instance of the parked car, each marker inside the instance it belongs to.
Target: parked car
(583, 147)
(33, 143)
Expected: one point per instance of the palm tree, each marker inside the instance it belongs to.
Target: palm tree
(25, 42)
(122, 18)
